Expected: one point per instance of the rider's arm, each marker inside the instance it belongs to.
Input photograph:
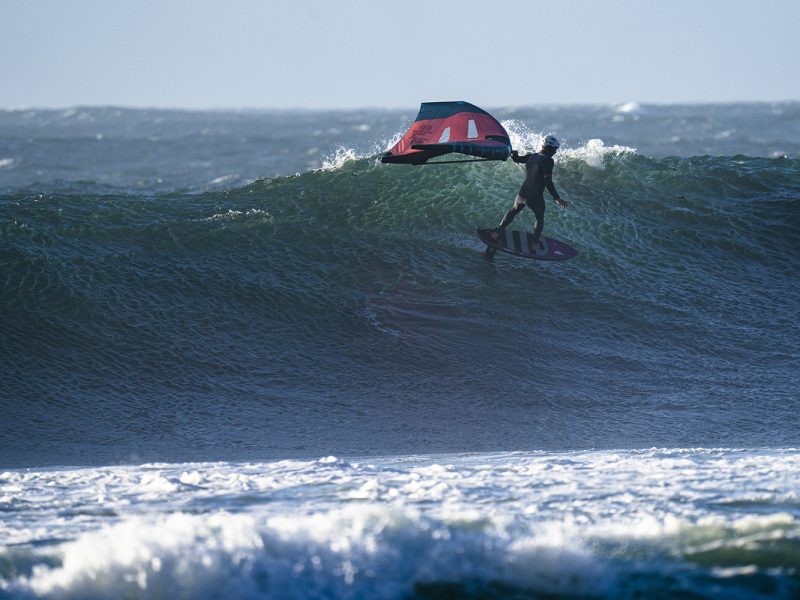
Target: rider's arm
(547, 173)
(519, 159)
(548, 183)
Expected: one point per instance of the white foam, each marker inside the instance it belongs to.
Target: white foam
(232, 214)
(344, 155)
(192, 478)
(594, 152)
(523, 139)
(6, 162)
(355, 551)
(549, 523)
(629, 108)
(338, 160)
(223, 179)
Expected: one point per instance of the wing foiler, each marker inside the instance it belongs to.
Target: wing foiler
(450, 127)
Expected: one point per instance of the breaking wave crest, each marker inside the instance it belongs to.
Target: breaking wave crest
(572, 525)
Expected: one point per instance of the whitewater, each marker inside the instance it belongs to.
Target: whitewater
(242, 358)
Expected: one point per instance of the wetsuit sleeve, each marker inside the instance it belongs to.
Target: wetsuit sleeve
(519, 159)
(547, 173)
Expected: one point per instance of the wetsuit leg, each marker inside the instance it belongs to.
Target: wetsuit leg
(510, 216)
(519, 204)
(537, 207)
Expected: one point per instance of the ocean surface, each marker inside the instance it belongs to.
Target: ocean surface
(241, 358)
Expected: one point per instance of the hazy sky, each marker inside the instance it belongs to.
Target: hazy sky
(359, 53)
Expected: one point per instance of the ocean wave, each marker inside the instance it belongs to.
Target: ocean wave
(592, 152)
(356, 552)
(685, 269)
(576, 524)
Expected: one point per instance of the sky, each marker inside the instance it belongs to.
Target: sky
(395, 54)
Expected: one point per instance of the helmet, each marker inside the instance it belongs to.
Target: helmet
(551, 141)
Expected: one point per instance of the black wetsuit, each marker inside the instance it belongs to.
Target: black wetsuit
(539, 175)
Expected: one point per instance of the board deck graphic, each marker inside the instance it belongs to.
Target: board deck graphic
(519, 243)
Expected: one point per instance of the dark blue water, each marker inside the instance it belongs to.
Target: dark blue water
(198, 310)
(160, 301)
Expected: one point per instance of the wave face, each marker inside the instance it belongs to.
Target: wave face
(623, 524)
(350, 308)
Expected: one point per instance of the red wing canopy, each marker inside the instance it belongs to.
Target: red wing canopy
(445, 127)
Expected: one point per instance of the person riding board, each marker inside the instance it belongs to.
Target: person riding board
(538, 176)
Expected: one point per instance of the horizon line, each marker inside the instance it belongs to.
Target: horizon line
(510, 106)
